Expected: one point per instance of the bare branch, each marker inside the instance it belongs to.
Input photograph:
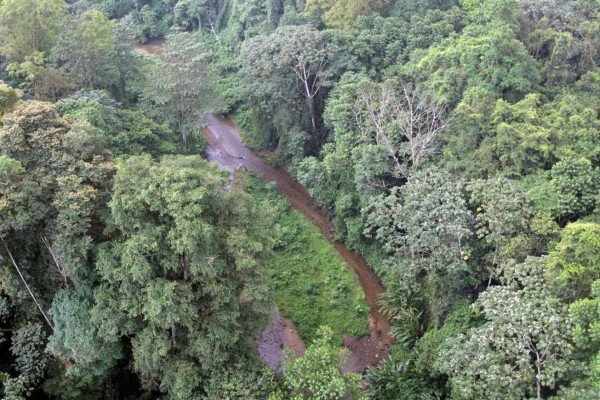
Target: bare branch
(415, 116)
(213, 31)
(60, 269)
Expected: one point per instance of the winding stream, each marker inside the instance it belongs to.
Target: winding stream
(226, 148)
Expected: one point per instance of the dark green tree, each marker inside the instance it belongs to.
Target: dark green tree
(183, 279)
(53, 189)
(577, 183)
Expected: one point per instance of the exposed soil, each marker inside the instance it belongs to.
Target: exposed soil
(153, 46)
(281, 336)
(227, 149)
(365, 352)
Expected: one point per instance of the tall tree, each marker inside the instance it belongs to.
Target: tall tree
(291, 56)
(490, 56)
(28, 29)
(184, 279)
(53, 191)
(577, 183)
(585, 317)
(425, 228)
(57, 191)
(83, 355)
(524, 347)
(86, 50)
(402, 121)
(574, 264)
(343, 13)
(8, 98)
(504, 213)
(180, 88)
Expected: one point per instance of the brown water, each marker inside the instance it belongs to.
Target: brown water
(227, 149)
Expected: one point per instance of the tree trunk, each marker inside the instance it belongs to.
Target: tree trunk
(14, 263)
(311, 109)
(184, 140)
(538, 378)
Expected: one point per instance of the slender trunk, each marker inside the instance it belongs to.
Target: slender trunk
(185, 142)
(538, 378)
(36, 87)
(493, 264)
(60, 269)
(184, 267)
(14, 263)
(311, 110)
(214, 31)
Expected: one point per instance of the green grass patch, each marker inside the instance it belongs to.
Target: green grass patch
(312, 283)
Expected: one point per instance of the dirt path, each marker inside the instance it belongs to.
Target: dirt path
(227, 149)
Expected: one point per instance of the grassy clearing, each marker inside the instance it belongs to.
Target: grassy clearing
(313, 286)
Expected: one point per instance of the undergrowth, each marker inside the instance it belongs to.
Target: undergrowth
(312, 283)
(251, 129)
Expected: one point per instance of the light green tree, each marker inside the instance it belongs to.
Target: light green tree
(28, 29)
(504, 213)
(8, 98)
(86, 50)
(574, 264)
(343, 13)
(585, 317)
(291, 58)
(317, 374)
(524, 346)
(490, 56)
(425, 229)
(180, 88)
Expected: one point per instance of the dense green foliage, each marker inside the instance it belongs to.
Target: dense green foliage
(454, 144)
(317, 375)
(173, 280)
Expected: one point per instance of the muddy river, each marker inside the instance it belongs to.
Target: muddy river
(227, 149)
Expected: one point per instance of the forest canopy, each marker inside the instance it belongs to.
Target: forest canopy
(452, 144)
